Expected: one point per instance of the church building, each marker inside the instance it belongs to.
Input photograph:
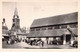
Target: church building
(16, 31)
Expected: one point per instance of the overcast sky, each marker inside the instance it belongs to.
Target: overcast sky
(30, 10)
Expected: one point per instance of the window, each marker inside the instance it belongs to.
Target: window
(17, 20)
(13, 20)
(13, 25)
(32, 29)
(50, 28)
(57, 27)
(43, 28)
(73, 25)
(37, 29)
(63, 26)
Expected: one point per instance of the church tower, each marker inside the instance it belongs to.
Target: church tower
(16, 23)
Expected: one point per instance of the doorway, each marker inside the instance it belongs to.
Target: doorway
(68, 38)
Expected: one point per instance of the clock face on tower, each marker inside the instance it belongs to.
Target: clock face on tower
(15, 16)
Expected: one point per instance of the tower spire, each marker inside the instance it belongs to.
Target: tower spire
(15, 12)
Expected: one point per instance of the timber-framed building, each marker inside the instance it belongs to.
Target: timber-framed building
(64, 27)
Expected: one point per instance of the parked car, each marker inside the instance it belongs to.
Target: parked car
(75, 44)
(56, 42)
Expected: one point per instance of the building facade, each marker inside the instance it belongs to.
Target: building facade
(5, 30)
(63, 27)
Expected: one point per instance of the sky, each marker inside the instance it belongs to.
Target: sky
(30, 10)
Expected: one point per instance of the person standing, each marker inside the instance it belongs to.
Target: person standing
(42, 43)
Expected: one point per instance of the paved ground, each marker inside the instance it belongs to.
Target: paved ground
(23, 45)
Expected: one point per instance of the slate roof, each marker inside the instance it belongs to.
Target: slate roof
(59, 19)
